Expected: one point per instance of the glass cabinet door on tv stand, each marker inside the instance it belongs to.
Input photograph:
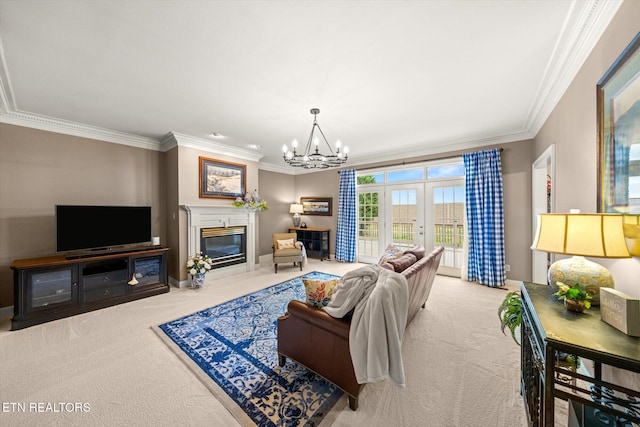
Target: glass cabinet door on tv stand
(50, 289)
(147, 271)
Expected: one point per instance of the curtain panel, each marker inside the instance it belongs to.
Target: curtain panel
(485, 217)
(347, 233)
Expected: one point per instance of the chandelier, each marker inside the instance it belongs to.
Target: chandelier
(314, 159)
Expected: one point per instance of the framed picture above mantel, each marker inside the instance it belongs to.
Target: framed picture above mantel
(317, 205)
(618, 93)
(221, 180)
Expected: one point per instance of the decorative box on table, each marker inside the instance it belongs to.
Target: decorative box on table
(620, 311)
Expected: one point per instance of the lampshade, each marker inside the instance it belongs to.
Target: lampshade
(296, 208)
(593, 235)
(631, 231)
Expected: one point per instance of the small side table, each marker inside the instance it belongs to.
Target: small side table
(315, 241)
(547, 328)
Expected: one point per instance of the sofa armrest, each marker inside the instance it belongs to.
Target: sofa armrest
(320, 342)
(318, 317)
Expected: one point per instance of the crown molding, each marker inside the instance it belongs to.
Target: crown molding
(7, 102)
(591, 18)
(176, 139)
(444, 147)
(279, 169)
(76, 129)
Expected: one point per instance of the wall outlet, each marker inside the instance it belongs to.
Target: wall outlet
(507, 267)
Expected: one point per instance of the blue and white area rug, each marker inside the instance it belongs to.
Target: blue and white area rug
(232, 349)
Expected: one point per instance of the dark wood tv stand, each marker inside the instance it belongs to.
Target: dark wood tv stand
(54, 287)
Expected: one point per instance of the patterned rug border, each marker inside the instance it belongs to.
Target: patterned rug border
(219, 393)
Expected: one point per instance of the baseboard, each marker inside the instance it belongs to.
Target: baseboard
(511, 282)
(6, 311)
(266, 259)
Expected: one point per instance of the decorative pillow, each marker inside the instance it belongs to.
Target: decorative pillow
(417, 250)
(285, 244)
(403, 262)
(319, 291)
(387, 266)
(390, 253)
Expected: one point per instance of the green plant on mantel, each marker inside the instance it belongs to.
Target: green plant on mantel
(510, 313)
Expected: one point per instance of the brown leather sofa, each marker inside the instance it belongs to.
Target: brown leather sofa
(320, 342)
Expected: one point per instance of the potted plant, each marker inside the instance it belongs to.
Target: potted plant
(197, 266)
(252, 202)
(510, 313)
(575, 297)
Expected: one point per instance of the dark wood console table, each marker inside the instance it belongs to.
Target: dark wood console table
(54, 287)
(315, 240)
(547, 328)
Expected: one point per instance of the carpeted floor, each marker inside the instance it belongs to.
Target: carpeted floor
(460, 369)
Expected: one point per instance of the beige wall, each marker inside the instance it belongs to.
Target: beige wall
(572, 127)
(278, 190)
(172, 207)
(40, 169)
(320, 184)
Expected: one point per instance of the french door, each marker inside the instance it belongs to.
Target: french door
(370, 215)
(445, 211)
(392, 214)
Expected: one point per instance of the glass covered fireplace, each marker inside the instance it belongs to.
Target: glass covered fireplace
(224, 245)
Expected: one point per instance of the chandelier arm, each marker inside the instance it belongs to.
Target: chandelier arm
(325, 139)
(307, 150)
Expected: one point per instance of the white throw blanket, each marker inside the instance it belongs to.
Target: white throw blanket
(380, 299)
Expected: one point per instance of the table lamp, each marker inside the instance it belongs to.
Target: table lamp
(296, 210)
(592, 235)
(631, 230)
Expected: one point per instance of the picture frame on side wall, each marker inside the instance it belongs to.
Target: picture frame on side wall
(221, 180)
(317, 205)
(618, 109)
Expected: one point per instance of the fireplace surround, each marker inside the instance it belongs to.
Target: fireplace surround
(221, 220)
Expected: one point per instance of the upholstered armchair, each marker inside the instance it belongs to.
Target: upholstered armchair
(286, 249)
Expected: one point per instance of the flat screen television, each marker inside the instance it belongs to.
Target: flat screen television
(89, 228)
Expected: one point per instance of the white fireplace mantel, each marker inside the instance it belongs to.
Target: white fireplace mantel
(199, 217)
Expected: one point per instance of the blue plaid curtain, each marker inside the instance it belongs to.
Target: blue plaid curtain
(485, 219)
(346, 236)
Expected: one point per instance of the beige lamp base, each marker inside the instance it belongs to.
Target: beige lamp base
(592, 276)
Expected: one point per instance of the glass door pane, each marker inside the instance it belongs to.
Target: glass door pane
(407, 215)
(447, 216)
(370, 213)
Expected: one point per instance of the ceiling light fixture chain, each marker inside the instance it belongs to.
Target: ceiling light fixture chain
(315, 159)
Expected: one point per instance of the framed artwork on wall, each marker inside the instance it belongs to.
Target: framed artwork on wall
(618, 94)
(316, 205)
(221, 180)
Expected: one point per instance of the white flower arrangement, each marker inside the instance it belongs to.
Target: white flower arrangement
(198, 263)
(251, 201)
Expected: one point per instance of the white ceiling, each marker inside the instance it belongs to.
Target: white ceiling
(391, 78)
